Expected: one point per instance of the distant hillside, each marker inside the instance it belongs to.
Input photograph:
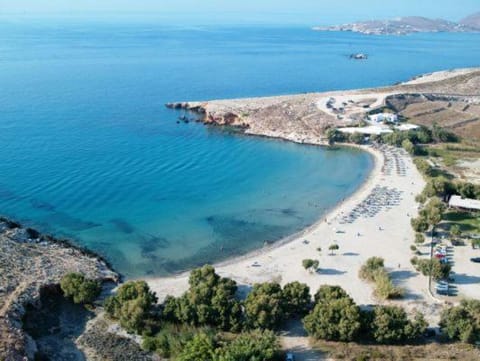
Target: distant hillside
(408, 25)
(472, 21)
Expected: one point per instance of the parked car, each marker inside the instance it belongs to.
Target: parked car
(290, 357)
(476, 259)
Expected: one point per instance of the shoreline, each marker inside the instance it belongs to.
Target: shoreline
(365, 185)
(387, 233)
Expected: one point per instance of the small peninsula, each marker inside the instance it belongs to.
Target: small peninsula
(408, 25)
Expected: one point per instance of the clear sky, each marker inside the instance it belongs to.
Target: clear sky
(309, 12)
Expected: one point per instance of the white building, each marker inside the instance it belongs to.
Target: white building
(370, 130)
(383, 117)
(464, 203)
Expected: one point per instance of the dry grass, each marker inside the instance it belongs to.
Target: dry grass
(430, 352)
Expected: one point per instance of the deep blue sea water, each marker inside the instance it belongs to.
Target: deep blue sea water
(88, 150)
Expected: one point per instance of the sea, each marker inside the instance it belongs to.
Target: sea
(89, 152)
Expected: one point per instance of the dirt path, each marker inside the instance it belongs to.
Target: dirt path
(296, 341)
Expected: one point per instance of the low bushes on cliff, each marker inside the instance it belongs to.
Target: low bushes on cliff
(132, 306)
(79, 288)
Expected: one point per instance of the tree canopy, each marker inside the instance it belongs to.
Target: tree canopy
(462, 322)
(265, 305)
(79, 288)
(131, 305)
(334, 317)
(210, 300)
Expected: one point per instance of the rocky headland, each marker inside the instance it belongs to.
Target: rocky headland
(304, 118)
(31, 263)
(408, 25)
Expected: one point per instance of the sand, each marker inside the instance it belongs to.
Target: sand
(387, 234)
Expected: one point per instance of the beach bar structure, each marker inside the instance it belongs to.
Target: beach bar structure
(464, 203)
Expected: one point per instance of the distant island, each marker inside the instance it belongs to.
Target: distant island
(408, 25)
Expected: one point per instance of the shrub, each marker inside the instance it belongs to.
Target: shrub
(419, 238)
(257, 345)
(201, 347)
(434, 267)
(368, 270)
(462, 322)
(413, 248)
(297, 298)
(310, 265)
(210, 300)
(265, 306)
(327, 293)
(419, 224)
(335, 316)
(391, 325)
(131, 306)
(424, 167)
(80, 289)
(357, 138)
(373, 271)
(455, 231)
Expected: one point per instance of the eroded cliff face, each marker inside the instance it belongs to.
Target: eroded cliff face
(30, 262)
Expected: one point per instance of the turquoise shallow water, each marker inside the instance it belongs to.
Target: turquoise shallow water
(88, 151)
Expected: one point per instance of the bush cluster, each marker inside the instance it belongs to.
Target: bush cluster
(79, 288)
(133, 306)
(462, 322)
(210, 301)
(374, 271)
(336, 317)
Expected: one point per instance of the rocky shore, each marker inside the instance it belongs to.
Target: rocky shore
(304, 118)
(30, 262)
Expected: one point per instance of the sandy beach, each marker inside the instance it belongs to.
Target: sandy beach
(380, 227)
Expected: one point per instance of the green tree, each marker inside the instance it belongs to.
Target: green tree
(434, 268)
(132, 305)
(201, 347)
(265, 306)
(433, 212)
(466, 190)
(333, 247)
(310, 265)
(462, 322)
(455, 231)
(255, 346)
(419, 238)
(408, 146)
(419, 224)
(297, 298)
(391, 325)
(331, 134)
(80, 289)
(357, 138)
(424, 167)
(210, 300)
(335, 317)
(327, 293)
(367, 271)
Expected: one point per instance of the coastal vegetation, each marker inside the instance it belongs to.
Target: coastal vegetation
(374, 271)
(80, 289)
(132, 306)
(209, 322)
(310, 265)
(462, 322)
